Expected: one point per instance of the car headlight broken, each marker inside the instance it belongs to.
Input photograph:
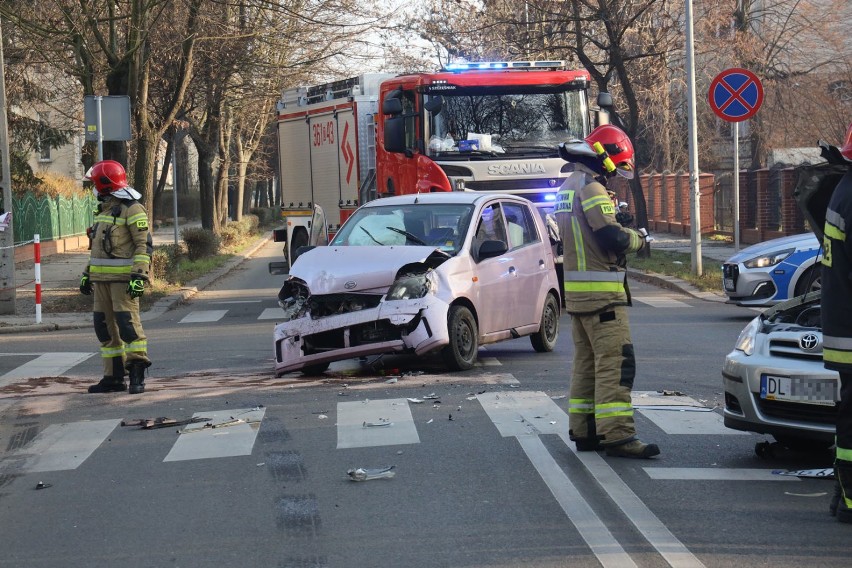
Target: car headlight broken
(745, 342)
(412, 286)
(768, 259)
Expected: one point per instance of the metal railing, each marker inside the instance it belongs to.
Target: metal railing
(52, 218)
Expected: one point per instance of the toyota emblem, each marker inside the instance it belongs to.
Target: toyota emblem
(350, 285)
(809, 341)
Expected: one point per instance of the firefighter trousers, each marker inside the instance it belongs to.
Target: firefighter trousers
(604, 370)
(119, 328)
(843, 461)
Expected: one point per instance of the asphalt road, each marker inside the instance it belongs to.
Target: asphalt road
(483, 473)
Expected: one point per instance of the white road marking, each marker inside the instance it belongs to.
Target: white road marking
(715, 474)
(63, 446)
(45, 365)
(524, 415)
(687, 422)
(661, 302)
(271, 313)
(198, 441)
(204, 316)
(237, 302)
(375, 423)
(527, 414)
(660, 537)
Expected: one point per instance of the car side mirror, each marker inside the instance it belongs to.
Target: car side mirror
(604, 100)
(490, 249)
(392, 106)
(434, 104)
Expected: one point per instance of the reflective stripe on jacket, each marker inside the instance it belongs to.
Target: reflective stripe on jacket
(837, 279)
(121, 242)
(594, 246)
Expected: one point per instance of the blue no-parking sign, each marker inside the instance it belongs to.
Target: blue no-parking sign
(735, 94)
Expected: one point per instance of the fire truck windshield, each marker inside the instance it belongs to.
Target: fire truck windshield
(505, 124)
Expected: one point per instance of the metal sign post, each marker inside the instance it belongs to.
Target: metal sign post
(736, 95)
(7, 237)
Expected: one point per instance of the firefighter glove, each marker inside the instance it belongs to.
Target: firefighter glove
(135, 287)
(85, 285)
(644, 232)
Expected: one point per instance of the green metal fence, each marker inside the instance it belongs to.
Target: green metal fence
(52, 218)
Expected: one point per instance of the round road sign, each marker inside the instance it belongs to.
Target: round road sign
(735, 94)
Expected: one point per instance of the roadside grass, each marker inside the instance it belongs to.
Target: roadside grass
(679, 265)
(177, 273)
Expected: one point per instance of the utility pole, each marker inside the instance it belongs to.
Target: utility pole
(7, 237)
(694, 195)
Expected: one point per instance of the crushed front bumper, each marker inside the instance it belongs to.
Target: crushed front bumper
(416, 326)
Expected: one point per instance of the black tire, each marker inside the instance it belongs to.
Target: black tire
(810, 281)
(300, 239)
(317, 369)
(460, 354)
(544, 340)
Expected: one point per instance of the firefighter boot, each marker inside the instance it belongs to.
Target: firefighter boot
(137, 377)
(633, 449)
(835, 499)
(109, 384)
(589, 443)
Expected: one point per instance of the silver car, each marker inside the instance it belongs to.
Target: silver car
(443, 272)
(774, 379)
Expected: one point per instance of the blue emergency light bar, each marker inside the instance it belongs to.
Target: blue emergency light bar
(487, 65)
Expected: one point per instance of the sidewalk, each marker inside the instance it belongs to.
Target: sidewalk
(63, 270)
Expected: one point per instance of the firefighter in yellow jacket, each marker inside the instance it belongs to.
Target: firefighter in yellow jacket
(117, 272)
(597, 296)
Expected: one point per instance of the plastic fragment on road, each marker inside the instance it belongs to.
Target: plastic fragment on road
(380, 423)
(416, 400)
(43, 485)
(392, 381)
(365, 474)
(322, 416)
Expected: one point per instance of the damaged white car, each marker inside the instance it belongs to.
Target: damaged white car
(416, 274)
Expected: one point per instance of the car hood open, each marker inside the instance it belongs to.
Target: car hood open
(335, 269)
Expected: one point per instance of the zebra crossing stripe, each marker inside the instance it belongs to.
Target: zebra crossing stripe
(227, 433)
(203, 316)
(375, 423)
(661, 302)
(62, 446)
(271, 314)
(45, 365)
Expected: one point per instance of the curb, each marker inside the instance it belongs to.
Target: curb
(676, 284)
(160, 307)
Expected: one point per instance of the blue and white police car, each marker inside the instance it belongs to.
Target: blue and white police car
(773, 271)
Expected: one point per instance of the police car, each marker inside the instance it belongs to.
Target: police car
(773, 271)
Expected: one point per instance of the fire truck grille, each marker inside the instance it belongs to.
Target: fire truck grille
(336, 304)
(540, 184)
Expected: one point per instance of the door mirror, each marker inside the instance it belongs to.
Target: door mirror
(434, 104)
(490, 249)
(392, 104)
(395, 134)
(605, 100)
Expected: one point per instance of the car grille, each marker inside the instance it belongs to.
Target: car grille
(336, 304)
(790, 349)
(730, 274)
(797, 411)
(361, 334)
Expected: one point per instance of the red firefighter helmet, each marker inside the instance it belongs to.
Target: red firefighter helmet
(108, 176)
(846, 149)
(617, 145)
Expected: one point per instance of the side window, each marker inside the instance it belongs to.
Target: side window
(409, 111)
(521, 226)
(490, 226)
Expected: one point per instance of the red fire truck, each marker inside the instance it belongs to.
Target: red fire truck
(469, 127)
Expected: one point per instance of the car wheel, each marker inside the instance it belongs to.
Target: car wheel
(317, 369)
(300, 239)
(810, 281)
(544, 340)
(460, 354)
(804, 444)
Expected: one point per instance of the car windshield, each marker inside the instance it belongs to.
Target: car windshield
(442, 226)
(504, 124)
